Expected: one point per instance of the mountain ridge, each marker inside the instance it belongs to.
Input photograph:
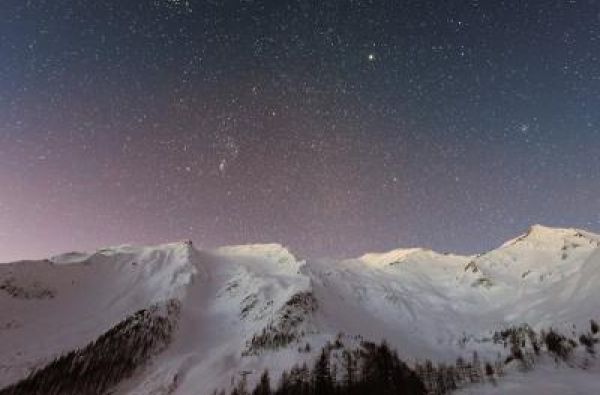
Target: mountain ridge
(249, 307)
(533, 232)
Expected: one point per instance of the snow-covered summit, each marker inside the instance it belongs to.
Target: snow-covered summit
(276, 254)
(249, 307)
(543, 254)
(545, 235)
(390, 257)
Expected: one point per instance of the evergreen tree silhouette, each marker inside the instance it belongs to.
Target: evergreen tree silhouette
(264, 386)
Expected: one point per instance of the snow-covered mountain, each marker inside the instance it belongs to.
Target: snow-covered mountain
(241, 309)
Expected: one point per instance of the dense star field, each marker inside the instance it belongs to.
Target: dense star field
(333, 127)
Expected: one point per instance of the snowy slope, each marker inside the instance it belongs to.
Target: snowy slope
(548, 378)
(245, 308)
(63, 303)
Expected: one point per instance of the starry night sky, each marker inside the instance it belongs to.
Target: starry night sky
(333, 127)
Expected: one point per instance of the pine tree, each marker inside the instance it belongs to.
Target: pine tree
(264, 386)
(240, 389)
(594, 327)
(475, 373)
(323, 383)
(349, 366)
(489, 372)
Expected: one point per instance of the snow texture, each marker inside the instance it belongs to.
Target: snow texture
(247, 308)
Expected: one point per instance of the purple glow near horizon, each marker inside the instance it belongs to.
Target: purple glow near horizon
(334, 129)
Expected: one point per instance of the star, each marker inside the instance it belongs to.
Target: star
(259, 114)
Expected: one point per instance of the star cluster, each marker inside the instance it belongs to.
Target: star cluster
(333, 127)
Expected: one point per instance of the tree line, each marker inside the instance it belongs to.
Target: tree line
(103, 363)
(372, 368)
(377, 369)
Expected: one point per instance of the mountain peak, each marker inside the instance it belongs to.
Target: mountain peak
(541, 234)
(389, 257)
(274, 253)
(539, 229)
(248, 308)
